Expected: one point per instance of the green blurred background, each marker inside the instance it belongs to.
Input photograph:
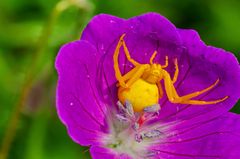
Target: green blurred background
(31, 32)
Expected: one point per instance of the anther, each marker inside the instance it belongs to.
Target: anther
(122, 118)
(136, 126)
(138, 137)
(120, 106)
(152, 153)
(152, 109)
(129, 108)
(152, 134)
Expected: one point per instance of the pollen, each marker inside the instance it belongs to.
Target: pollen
(141, 94)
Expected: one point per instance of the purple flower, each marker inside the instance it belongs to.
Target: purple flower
(88, 104)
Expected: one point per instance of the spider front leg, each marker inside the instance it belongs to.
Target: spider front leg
(116, 65)
(127, 76)
(176, 71)
(137, 74)
(133, 76)
(118, 74)
(175, 98)
(135, 63)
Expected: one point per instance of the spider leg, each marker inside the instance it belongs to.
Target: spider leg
(128, 75)
(116, 65)
(152, 57)
(160, 90)
(166, 62)
(201, 102)
(136, 75)
(170, 90)
(176, 71)
(175, 98)
(195, 94)
(135, 63)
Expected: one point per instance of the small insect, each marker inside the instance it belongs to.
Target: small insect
(141, 85)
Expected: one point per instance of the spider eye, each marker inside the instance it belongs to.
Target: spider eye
(156, 72)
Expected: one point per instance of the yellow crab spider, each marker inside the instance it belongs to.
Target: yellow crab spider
(141, 85)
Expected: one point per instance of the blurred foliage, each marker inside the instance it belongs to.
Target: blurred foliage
(40, 135)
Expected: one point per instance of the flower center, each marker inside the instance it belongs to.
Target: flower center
(129, 133)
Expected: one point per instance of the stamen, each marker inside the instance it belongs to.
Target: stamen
(136, 126)
(121, 118)
(120, 107)
(136, 120)
(152, 154)
(129, 108)
(152, 109)
(127, 114)
(148, 135)
(152, 134)
(138, 137)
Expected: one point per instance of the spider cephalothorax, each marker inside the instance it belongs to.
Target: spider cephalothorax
(141, 86)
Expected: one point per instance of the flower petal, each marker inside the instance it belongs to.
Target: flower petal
(102, 31)
(78, 103)
(148, 33)
(102, 153)
(201, 68)
(105, 153)
(215, 138)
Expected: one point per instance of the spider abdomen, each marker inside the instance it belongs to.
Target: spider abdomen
(140, 94)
